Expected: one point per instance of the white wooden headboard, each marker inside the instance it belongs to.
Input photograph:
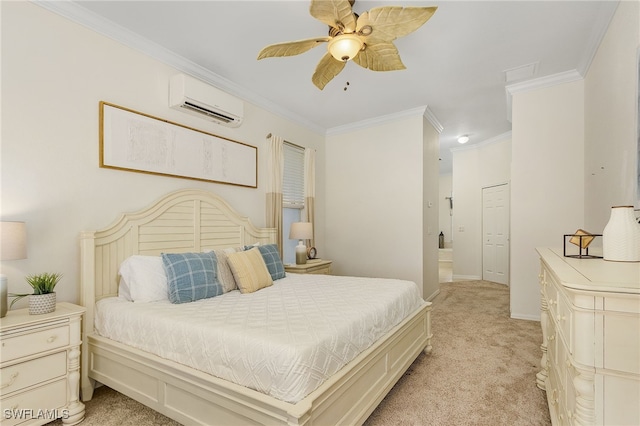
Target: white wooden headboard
(182, 221)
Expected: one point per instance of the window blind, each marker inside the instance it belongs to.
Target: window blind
(293, 180)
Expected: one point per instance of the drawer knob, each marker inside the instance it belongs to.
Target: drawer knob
(12, 379)
(52, 339)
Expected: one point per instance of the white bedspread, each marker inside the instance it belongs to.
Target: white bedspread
(284, 340)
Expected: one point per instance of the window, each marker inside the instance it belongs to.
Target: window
(292, 197)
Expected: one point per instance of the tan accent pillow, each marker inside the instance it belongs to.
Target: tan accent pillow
(249, 270)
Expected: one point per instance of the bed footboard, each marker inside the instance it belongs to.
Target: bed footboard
(193, 397)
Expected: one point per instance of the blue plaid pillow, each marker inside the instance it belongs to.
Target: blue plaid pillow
(272, 259)
(191, 276)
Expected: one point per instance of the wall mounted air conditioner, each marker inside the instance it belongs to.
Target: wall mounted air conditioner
(198, 98)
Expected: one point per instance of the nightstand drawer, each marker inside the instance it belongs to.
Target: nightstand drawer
(33, 343)
(37, 404)
(313, 266)
(20, 376)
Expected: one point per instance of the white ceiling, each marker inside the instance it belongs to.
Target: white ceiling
(455, 62)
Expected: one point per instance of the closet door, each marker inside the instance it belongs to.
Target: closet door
(495, 234)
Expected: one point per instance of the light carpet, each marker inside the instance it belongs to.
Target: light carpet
(482, 371)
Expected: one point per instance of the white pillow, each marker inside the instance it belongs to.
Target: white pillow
(123, 290)
(145, 277)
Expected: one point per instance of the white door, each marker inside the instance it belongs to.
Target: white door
(495, 234)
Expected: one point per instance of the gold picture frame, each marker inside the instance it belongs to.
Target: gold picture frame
(138, 142)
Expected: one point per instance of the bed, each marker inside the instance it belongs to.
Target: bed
(199, 221)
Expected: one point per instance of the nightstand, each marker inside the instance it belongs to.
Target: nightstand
(40, 366)
(313, 266)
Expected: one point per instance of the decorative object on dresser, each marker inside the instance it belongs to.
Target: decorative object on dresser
(40, 365)
(43, 298)
(621, 236)
(301, 231)
(590, 320)
(582, 239)
(13, 246)
(313, 266)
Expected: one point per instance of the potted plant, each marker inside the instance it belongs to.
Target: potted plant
(43, 298)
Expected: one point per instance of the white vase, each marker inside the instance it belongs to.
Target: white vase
(621, 236)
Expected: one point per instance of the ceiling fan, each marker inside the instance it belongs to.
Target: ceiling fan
(367, 39)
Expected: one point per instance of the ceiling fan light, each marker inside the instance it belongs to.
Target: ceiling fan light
(345, 46)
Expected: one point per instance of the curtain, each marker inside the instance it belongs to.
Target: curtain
(275, 170)
(310, 191)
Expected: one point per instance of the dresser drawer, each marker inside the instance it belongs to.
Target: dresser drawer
(37, 404)
(34, 343)
(23, 375)
(564, 321)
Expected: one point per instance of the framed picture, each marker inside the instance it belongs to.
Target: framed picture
(137, 142)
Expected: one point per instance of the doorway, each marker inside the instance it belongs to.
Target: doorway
(495, 233)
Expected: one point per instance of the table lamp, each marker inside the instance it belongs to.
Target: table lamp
(301, 231)
(13, 246)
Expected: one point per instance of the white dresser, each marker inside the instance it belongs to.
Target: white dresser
(591, 340)
(40, 366)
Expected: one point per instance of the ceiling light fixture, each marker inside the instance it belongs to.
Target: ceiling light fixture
(345, 47)
(463, 139)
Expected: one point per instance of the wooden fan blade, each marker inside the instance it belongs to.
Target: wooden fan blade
(380, 57)
(390, 22)
(291, 48)
(335, 13)
(327, 68)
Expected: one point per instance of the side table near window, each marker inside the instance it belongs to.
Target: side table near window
(313, 266)
(40, 366)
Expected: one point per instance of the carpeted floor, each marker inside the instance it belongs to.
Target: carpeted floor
(482, 371)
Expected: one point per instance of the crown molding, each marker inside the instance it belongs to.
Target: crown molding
(539, 83)
(363, 124)
(431, 117)
(95, 22)
(603, 20)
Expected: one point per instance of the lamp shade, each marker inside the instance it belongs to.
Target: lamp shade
(301, 231)
(345, 47)
(13, 241)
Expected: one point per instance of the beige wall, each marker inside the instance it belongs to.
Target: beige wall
(430, 209)
(374, 199)
(610, 119)
(547, 183)
(54, 73)
(475, 167)
(574, 155)
(445, 216)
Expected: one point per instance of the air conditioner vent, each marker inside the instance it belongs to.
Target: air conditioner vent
(198, 98)
(196, 108)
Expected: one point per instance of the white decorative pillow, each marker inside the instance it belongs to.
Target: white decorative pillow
(145, 277)
(123, 290)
